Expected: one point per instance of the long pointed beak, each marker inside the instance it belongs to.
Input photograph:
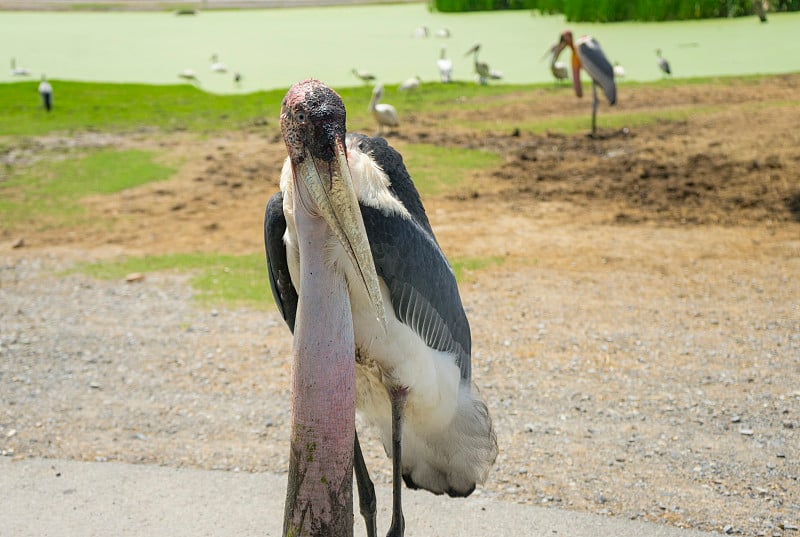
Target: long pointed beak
(330, 186)
(576, 74)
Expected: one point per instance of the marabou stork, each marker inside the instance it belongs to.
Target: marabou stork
(663, 64)
(384, 114)
(46, 93)
(378, 324)
(587, 54)
(445, 66)
(482, 69)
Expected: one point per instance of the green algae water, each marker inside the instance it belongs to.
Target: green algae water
(277, 47)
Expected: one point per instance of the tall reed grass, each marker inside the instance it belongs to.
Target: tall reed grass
(481, 5)
(622, 10)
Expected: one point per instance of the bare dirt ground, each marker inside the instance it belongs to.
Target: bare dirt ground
(639, 344)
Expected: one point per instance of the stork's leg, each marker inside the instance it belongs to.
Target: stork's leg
(366, 491)
(398, 397)
(594, 107)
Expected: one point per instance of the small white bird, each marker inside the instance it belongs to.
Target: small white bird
(619, 71)
(188, 74)
(445, 66)
(443, 32)
(421, 32)
(19, 71)
(384, 114)
(365, 76)
(410, 84)
(217, 66)
(663, 64)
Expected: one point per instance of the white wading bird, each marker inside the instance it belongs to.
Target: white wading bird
(445, 66)
(384, 114)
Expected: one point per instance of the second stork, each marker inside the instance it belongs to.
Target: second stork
(586, 53)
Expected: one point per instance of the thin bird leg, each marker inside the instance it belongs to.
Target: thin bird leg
(398, 397)
(366, 491)
(594, 107)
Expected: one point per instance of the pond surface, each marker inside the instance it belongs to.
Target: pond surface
(277, 47)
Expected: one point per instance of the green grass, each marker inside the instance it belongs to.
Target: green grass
(217, 279)
(463, 267)
(230, 280)
(47, 194)
(81, 106)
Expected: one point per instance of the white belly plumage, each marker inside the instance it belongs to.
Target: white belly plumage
(447, 443)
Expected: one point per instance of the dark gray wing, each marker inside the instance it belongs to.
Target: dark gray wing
(279, 279)
(598, 66)
(422, 285)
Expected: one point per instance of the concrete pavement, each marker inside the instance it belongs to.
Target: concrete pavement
(57, 498)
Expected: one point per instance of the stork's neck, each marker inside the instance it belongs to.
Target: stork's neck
(319, 498)
(373, 102)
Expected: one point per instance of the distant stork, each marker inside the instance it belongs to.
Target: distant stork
(46, 93)
(587, 54)
(421, 32)
(216, 65)
(365, 76)
(558, 69)
(443, 32)
(378, 325)
(482, 69)
(445, 66)
(410, 84)
(384, 114)
(663, 64)
(189, 74)
(19, 71)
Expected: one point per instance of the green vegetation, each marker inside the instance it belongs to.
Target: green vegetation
(217, 279)
(463, 266)
(480, 5)
(82, 106)
(47, 194)
(620, 10)
(644, 10)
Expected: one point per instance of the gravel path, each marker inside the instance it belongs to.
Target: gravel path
(670, 395)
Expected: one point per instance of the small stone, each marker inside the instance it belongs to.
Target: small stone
(19, 243)
(736, 419)
(10, 433)
(134, 277)
(746, 432)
